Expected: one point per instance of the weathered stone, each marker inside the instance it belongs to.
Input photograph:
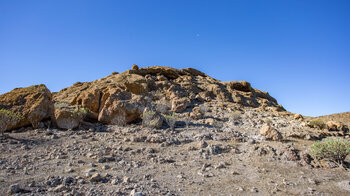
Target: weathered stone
(334, 126)
(65, 119)
(33, 103)
(134, 67)
(298, 117)
(270, 133)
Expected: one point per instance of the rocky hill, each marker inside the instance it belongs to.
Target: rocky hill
(130, 92)
(342, 117)
(163, 131)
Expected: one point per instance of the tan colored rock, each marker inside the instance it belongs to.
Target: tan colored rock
(134, 67)
(196, 113)
(65, 119)
(298, 117)
(334, 126)
(33, 103)
(270, 133)
(180, 105)
(127, 92)
(209, 121)
(239, 85)
(130, 111)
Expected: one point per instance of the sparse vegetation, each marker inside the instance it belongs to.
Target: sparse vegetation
(79, 113)
(7, 119)
(317, 123)
(171, 120)
(187, 121)
(218, 124)
(236, 116)
(60, 105)
(334, 150)
(148, 119)
(162, 108)
(203, 109)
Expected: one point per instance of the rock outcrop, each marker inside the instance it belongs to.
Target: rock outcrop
(33, 103)
(130, 92)
(270, 133)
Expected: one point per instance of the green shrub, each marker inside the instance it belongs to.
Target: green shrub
(331, 149)
(147, 119)
(7, 119)
(79, 113)
(317, 123)
(171, 120)
(60, 105)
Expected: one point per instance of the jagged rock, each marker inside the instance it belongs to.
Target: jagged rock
(270, 133)
(196, 113)
(239, 85)
(298, 116)
(134, 67)
(180, 105)
(334, 126)
(33, 103)
(130, 92)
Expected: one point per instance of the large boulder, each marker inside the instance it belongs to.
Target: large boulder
(270, 133)
(65, 119)
(335, 126)
(180, 105)
(33, 103)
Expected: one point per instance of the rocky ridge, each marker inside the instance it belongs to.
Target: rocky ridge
(163, 131)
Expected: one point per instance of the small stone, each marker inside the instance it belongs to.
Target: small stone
(93, 165)
(203, 144)
(68, 180)
(14, 188)
(54, 136)
(115, 181)
(126, 179)
(134, 193)
(96, 178)
(59, 188)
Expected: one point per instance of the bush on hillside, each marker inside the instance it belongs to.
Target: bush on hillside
(334, 150)
(317, 123)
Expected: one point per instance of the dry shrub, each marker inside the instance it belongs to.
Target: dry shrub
(171, 120)
(317, 123)
(8, 119)
(334, 150)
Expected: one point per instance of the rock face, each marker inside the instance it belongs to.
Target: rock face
(270, 133)
(130, 92)
(34, 103)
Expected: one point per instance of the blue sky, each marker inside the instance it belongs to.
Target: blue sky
(297, 50)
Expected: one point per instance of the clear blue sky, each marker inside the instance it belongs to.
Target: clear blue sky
(297, 50)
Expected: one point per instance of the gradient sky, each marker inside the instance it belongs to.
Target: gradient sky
(297, 50)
